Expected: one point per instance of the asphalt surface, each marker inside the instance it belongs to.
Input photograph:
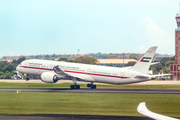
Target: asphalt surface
(69, 117)
(99, 90)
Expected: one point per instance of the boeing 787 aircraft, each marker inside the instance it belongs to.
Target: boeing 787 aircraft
(52, 71)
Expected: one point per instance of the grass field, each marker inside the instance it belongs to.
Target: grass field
(67, 85)
(87, 103)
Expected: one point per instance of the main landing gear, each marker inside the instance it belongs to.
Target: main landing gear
(75, 86)
(91, 86)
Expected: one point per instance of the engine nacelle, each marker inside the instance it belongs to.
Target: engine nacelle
(49, 77)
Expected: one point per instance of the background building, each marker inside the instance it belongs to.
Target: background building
(175, 68)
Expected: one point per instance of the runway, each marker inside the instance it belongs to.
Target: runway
(152, 82)
(69, 117)
(98, 90)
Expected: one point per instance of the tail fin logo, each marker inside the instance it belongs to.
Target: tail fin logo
(145, 59)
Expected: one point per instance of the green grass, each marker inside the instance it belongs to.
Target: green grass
(87, 103)
(67, 85)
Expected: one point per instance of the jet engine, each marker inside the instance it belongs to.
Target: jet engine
(49, 77)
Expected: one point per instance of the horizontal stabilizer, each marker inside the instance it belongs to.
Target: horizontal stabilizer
(132, 66)
(155, 63)
(161, 75)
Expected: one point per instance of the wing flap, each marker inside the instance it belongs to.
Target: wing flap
(60, 73)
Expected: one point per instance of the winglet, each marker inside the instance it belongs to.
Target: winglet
(143, 110)
(144, 63)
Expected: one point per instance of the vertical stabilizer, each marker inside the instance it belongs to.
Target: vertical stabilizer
(144, 63)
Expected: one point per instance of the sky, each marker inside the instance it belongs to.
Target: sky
(33, 27)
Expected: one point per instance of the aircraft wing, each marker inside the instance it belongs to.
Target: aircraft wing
(143, 110)
(161, 75)
(61, 74)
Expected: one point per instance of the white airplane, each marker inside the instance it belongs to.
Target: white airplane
(52, 71)
(143, 110)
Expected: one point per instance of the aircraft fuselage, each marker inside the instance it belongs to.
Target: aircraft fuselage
(88, 73)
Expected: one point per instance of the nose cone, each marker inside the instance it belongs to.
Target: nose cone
(17, 68)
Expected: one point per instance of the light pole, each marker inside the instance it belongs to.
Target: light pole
(78, 52)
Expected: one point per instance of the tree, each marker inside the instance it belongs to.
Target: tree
(168, 63)
(165, 59)
(1, 73)
(166, 69)
(86, 60)
(110, 64)
(130, 63)
(134, 56)
(10, 67)
(63, 59)
(20, 60)
(163, 65)
(8, 75)
(156, 68)
(3, 64)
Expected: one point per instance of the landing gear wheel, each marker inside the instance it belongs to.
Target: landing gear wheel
(78, 86)
(75, 86)
(72, 86)
(88, 85)
(91, 86)
(94, 86)
(27, 79)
